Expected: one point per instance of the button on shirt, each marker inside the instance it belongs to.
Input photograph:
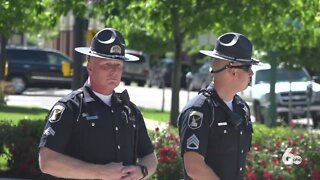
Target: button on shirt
(90, 130)
(222, 142)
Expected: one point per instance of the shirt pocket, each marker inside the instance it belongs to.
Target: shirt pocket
(226, 139)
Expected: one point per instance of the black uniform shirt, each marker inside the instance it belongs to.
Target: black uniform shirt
(82, 126)
(223, 140)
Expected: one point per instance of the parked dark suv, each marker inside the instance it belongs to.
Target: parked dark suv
(162, 73)
(27, 66)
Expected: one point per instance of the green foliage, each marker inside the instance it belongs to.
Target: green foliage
(24, 139)
(268, 147)
(21, 142)
(289, 28)
(264, 160)
(19, 149)
(21, 16)
(167, 147)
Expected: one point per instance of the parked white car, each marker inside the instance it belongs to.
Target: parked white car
(291, 91)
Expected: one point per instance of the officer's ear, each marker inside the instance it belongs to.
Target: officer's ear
(89, 65)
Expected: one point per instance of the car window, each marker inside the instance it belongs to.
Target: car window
(283, 75)
(56, 58)
(24, 55)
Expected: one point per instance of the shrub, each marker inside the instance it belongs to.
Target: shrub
(265, 160)
(21, 144)
(167, 147)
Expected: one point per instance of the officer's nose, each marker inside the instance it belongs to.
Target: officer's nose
(251, 72)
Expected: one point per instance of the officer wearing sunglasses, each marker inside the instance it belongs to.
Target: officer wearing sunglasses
(215, 127)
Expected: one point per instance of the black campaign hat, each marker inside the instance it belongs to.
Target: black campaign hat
(233, 47)
(108, 43)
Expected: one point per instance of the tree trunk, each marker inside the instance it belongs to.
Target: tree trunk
(3, 56)
(80, 28)
(176, 73)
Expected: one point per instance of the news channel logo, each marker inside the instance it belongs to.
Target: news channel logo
(288, 158)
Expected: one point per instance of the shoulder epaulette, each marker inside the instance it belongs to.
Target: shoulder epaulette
(71, 95)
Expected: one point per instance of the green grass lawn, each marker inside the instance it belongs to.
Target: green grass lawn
(156, 115)
(15, 113)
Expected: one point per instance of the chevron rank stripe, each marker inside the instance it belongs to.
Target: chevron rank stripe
(193, 142)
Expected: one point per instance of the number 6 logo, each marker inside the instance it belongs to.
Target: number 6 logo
(288, 158)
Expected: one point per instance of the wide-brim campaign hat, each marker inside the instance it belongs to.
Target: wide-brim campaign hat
(233, 47)
(108, 43)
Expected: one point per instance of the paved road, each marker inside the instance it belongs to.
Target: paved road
(142, 96)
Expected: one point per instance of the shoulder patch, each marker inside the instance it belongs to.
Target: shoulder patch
(195, 119)
(56, 113)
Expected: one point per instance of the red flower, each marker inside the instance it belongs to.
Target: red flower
(263, 163)
(158, 143)
(316, 174)
(267, 175)
(252, 176)
(250, 168)
(304, 163)
(288, 168)
(157, 129)
(256, 147)
(171, 137)
(289, 142)
(275, 161)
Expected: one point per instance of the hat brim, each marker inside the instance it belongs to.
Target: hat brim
(214, 54)
(87, 51)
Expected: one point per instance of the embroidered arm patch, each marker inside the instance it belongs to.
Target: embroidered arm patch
(56, 113)
(195, 119)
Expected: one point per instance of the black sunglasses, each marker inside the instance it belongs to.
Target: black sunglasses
(246, 68)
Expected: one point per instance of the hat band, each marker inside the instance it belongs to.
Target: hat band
(108, 56)
(231, 58)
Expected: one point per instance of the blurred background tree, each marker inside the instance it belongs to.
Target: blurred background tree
(19, 16)
(288, 30)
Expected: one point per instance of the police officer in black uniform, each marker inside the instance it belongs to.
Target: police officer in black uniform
(215, 127)
(95, 133)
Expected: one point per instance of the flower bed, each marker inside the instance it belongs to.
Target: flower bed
(264, 160)
(283, 153)
(19, 144)
(167, 147)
